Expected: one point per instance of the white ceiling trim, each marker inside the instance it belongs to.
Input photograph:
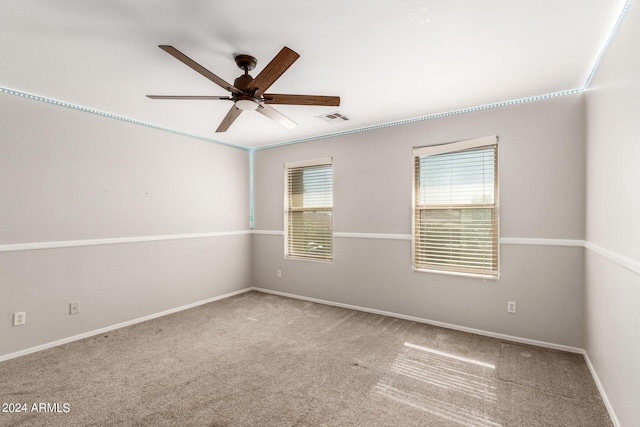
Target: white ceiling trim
(298, 141)
(113, 116)
(592, 73)
(423, 118)
(412, 57)
(606, 44)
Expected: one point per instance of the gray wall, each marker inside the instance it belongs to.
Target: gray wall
(612, 314)
(67, 175)
(542, 196)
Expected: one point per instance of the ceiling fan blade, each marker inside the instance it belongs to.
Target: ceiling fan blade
(274, 69)
(274, 98)
(189, 97)
(199, 68)
(231, 116)
(276, 116)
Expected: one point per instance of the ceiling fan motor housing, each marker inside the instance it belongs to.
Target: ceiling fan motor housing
(245, 100)
(243, 82)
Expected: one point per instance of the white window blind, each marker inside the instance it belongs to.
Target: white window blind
(455, 227)
(309, 210)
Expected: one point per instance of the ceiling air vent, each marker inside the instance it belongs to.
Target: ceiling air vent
(335, 117)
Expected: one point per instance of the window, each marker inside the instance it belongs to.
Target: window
(455, 215)
(309, 210)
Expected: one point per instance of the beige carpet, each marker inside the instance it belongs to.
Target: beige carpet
(262, 360)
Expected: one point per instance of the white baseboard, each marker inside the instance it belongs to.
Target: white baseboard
(67, 340)
(428, 322)
(512, 338)
(117, 326)
(603, 394)
(299, 297)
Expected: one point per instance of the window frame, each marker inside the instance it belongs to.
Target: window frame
(454, 147)
(326, 161)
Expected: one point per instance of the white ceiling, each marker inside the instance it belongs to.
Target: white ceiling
(388, 60)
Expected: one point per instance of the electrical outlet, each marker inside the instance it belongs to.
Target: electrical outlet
(74, 307)
(19, 318)
(511, 307)
(278, 273)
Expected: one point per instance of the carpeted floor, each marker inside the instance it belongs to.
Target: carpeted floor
(263, 360)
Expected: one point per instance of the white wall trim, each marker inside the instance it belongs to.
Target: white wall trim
(268, 232)
(16, 247)
(603, 394)
(118, 326)
(541, 242)
(391, 236)
(427, 321)
(621, 260)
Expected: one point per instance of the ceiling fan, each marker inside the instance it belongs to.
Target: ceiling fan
(248, 93)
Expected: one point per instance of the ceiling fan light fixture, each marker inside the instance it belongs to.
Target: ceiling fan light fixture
(247, 104)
